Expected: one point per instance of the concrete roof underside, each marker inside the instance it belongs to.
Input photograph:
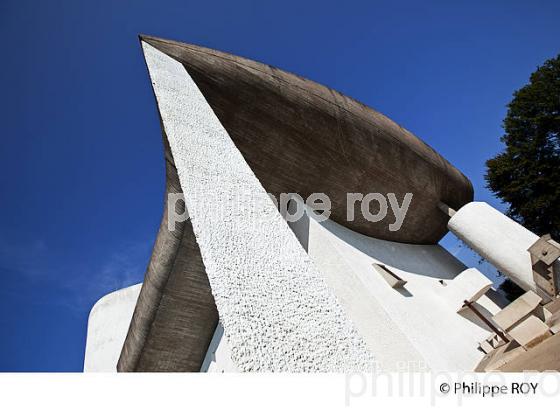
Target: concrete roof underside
(175, 316)
(297, 136)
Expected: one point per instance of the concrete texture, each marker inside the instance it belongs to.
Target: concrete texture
(175, 318)
(416, 327)
(498, 239)
(542, 357)
(529, 332)
(551, 311)
(545, 257)
(299, 136)
(108, 324)
(277, 310)
(517, 310)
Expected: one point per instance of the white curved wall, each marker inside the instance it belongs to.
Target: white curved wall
(414, 328)
(108, 324)
(420, 327)
(498, 239)
(277, 310)
(218, 356)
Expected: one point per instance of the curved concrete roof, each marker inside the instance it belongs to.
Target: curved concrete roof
(175, 316)
(297, 136)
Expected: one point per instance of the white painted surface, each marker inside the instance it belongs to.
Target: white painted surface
(108, 324)
(408, 329)
(469, 286)
(218, 356)
(277, 310)
(498, 239)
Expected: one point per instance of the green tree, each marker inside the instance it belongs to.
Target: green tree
(527, 174)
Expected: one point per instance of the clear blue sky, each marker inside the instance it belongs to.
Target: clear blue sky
(81, 166)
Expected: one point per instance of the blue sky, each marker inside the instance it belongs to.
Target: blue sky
(81, 166)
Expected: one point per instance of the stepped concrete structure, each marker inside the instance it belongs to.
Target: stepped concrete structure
(242, 285)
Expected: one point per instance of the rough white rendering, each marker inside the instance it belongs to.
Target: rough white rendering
(257, 269)
(241, 285)
(108, 324)
(407, 329)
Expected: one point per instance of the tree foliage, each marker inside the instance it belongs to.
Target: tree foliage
(527, 174)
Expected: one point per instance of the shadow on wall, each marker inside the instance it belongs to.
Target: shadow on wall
(472, 317)
(427, 260)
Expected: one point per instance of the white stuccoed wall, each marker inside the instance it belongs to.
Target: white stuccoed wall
(407, 330)
(218, 356)
(280, 311)
(277, 310)
(498, 239)
(413, 329)
(108, 324)
(420, 328)
(469, 286)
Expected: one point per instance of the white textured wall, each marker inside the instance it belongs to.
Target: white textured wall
(498, 239)
(408, 329)
(469, 286)
(218, 356)
(108, 324)
(277, 310)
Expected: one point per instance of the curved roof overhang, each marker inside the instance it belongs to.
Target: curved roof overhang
(297, 136)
